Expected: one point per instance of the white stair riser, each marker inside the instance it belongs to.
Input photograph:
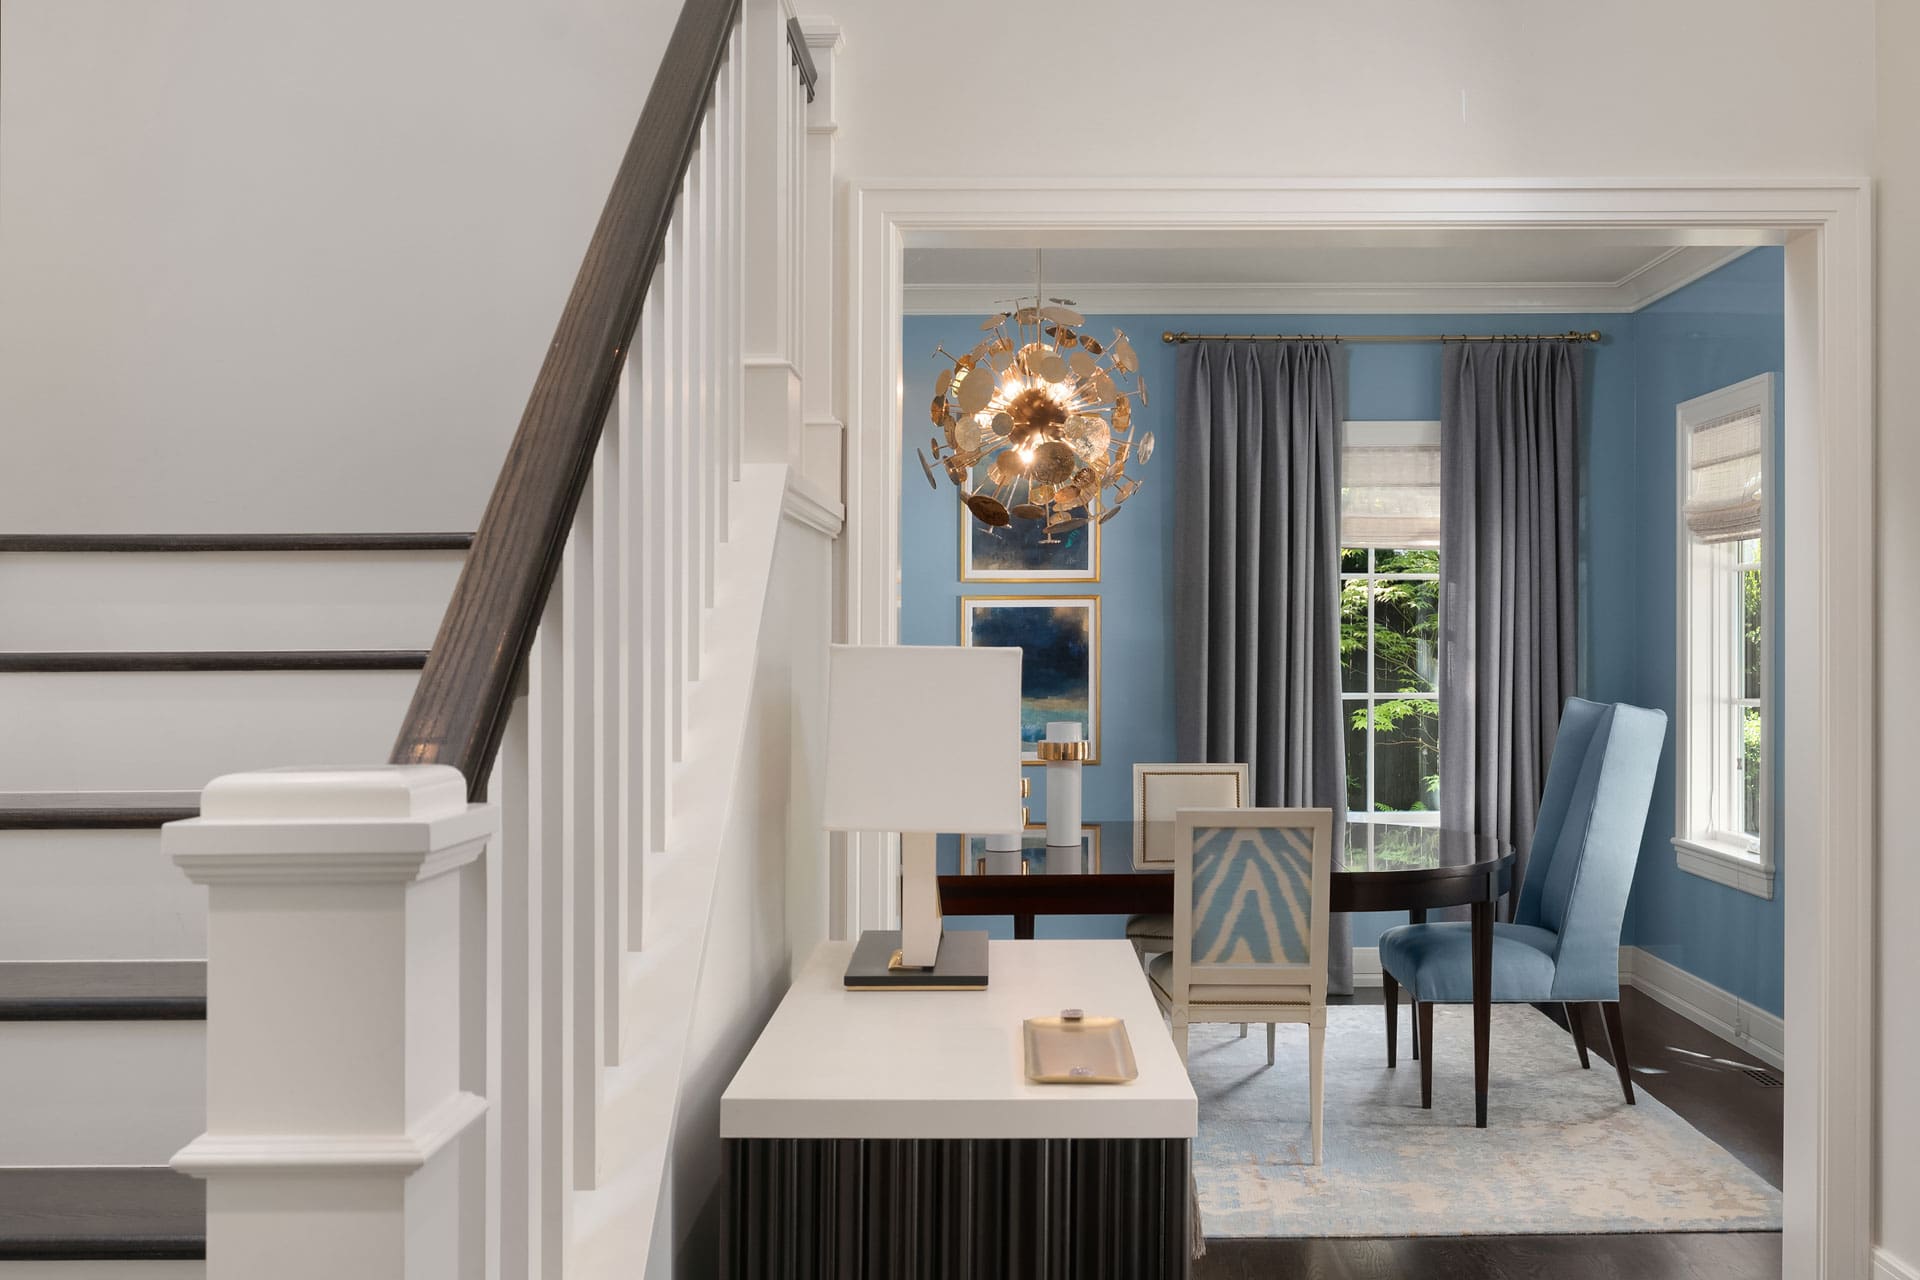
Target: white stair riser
(96, 895)
(130, 1270)
(224, 600)
(132, 730)
(100, 1093)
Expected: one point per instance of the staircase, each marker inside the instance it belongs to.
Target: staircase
(102, 940)
(444, 1003)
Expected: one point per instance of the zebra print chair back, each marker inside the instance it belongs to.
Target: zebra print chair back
(1250, 905)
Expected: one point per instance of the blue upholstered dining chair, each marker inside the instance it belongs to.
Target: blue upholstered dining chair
(1564, 942)
(1250, 903)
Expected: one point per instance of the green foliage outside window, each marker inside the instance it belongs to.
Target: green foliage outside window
(1401, 675)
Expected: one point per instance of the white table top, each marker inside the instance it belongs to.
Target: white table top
(834, 1063)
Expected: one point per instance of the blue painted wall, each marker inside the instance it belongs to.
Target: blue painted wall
(1719, 330)
(1722, 329)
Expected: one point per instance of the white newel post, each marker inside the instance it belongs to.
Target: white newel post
(346, 943)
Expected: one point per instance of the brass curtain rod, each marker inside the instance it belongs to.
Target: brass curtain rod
(1571, 335)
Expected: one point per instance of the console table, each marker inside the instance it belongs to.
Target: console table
(1382, 866)
(894, 1134)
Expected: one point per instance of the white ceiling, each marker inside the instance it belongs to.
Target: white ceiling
(1561, 270)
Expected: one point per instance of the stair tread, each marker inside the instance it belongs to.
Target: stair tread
(214, 660)
(70, 810)
(89, 542)
(101, 1213)
(103, 990)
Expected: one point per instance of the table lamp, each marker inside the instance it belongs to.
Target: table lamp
(922, 739)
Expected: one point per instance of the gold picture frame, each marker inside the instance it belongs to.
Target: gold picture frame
(970, 528)
(1040, 652)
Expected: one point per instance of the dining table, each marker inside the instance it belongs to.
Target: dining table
(1403, 865)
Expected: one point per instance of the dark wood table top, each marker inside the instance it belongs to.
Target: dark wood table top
(1382, 866)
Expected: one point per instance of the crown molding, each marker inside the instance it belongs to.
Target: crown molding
(1677, 267)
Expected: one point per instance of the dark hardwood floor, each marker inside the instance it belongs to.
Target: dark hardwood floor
(1699, 1076)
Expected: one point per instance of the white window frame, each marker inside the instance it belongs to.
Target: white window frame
(1399, 432)
(1707, 609)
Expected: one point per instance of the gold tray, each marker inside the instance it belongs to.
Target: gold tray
(1072, 1049)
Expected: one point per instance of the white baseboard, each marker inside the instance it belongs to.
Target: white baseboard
(1760, 1033)
(1366, 967)
(1700, 1002)
(1888, 1267)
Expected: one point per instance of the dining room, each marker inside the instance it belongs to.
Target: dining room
(1458, 540)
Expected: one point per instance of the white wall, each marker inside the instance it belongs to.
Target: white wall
(1265, 88)
(282, 266)
(745, 970)
(1898, 218)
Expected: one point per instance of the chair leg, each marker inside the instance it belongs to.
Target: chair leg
(1180, 1034)
(1390, 990)
(1316, 1053)
(1579, 1030)
(1617, 1040)
(1243, 1031)
(1423, 1018)
(1269, 1044)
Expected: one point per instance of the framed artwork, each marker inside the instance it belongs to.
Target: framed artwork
(1033, 845)
(1022, 552)
(1059, 642)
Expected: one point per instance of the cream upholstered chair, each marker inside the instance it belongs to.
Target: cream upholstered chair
(1250, 905)
(1159, 792)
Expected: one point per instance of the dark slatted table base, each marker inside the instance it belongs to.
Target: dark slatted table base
(957, 1209)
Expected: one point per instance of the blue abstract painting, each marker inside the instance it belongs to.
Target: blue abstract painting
(1021, 552)
(1059, 642)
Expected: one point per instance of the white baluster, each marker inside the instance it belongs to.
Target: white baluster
(676, 508)
(693, 313)
(514, 893)
(626, 772)
(550, 935)
(659, 705)
(719, 116)
(593, 705)
(687, 425)
(737, 254)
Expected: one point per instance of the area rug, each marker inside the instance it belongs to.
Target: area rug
(1562, 1154)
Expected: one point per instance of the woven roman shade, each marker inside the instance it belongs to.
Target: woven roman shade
(1390, 485)
(1723, 477)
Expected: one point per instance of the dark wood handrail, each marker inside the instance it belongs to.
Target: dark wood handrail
(460, 707)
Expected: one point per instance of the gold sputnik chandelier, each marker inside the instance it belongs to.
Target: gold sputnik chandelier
(1047, 412)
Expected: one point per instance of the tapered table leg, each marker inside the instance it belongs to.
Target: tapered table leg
(1023, 926)
(1482, 1004)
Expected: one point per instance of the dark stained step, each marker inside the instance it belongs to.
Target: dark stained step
(61, 542)
(94, 810)
(103, 991)
(218, 660)
(83, 1214)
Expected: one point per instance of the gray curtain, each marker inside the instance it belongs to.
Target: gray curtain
(1256, 565)
(1507, 572)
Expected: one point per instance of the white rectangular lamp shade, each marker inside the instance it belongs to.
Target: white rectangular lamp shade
(922, 739)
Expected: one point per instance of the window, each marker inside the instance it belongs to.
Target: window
(1721, 827)
(1390, 624)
